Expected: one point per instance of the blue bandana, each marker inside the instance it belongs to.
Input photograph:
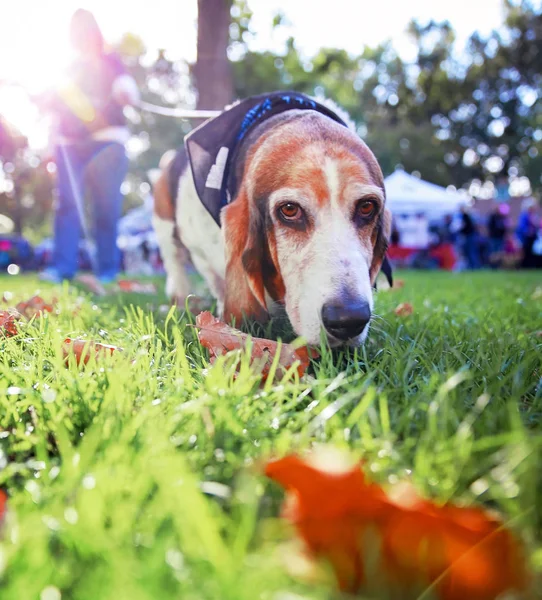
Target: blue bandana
(213, 145)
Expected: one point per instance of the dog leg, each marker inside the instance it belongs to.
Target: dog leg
(174, 256)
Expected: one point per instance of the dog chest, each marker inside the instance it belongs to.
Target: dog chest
(199, 232)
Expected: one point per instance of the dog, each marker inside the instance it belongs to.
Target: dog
(279, 205)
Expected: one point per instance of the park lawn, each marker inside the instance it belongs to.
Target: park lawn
(142, 480)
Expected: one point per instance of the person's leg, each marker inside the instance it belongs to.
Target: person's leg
(67, 227)
(104, 173)
(493, 252)
(528, 256)
(472, 252)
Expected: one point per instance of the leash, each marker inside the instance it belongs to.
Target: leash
(178, 113)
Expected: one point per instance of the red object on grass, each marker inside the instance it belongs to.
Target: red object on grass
(8, 319)
(405, 309)
(220, 339)
(396, 540)
(136, 287)
(3, 504)
(88, 347)
(443, 253)
(35, 306)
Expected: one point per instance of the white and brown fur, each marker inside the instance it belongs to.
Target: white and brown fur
(255, 260)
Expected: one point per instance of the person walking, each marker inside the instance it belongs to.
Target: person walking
(527, 232)
(468, 239)
(497, 228)
(90, 133)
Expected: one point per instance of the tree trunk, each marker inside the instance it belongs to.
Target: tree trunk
(212, 71)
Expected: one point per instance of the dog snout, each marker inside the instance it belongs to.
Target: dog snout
(347, 318)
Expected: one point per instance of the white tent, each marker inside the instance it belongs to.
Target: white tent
(409, 195)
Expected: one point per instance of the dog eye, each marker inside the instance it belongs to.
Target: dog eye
(366, 208)
(291, 211)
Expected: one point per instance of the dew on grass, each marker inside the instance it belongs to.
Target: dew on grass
(312, 405)
(215, 488)
(50, 593)
(479, 486)
(36, 465)
(175, 559)
(51, 523)
(71, 515)
(48, 395)
(89, 482)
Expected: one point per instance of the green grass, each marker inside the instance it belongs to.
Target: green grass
(142, 480)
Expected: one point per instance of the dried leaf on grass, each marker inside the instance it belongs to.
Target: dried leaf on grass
(396, 540)
(405, 309)
(36, 306)
(8, 322)
(137, 287)
(220, 339)
(3, 505)
(84, 349)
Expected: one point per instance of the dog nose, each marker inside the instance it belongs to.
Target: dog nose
(347, 319)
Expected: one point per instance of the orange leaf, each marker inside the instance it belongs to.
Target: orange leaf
(220, 339)
(3, 504)
(84, 349)
(8, 319)
(404, 309)
(138, 287)
(35, 306)
(464, 553)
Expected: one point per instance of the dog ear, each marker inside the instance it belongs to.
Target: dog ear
(244, 241)
(380, 261)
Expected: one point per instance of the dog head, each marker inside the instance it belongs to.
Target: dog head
(309, 229)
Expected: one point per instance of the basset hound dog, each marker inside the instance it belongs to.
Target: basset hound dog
(281, 207)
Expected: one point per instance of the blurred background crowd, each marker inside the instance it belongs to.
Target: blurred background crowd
(451, 108)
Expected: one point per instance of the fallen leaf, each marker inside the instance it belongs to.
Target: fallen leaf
(3, 504)
(8, 320)
(396, 540)
(398, 284)
(84, 349)
(404, 309)
(136, 287)
(36, 306)
(220, 339)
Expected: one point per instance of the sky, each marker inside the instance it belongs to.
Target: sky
(34, 42)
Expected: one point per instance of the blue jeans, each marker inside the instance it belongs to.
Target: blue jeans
(471, 250)
(97, 171)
